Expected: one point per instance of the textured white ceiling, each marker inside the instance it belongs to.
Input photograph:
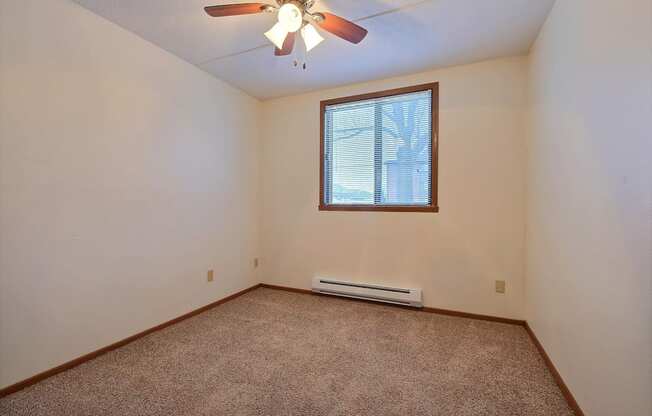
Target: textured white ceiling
(405, 36)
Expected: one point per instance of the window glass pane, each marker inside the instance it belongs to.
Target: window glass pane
(378, 151)
(353, 156)
(406, 150)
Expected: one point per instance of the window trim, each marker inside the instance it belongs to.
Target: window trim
(434, 148)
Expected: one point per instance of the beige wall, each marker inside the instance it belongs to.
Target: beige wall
(455, 255)
(125, 174)
(589, 201)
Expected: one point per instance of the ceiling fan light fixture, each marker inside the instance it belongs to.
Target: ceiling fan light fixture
(311, 37)
(277, 35)
(294, 16)
(290, 16)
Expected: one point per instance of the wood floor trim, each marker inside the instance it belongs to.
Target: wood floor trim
(570, 399)
(77, 361)
(424, 309)
(479, 317)
(288, 289)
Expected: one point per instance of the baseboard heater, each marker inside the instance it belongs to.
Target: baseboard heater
(395, 295)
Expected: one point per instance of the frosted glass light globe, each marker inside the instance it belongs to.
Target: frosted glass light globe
(290, 17)
(311, 37)
(277, 35)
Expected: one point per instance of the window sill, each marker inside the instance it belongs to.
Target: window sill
(379, 208)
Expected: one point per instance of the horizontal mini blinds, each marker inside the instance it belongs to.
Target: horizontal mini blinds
(378, 151)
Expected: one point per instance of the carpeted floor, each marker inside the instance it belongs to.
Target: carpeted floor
(271, 352)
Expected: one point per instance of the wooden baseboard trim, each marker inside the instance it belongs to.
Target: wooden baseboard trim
(77, 361)
(479, 317)
(424, 309)
(288, 289)
(570, 399)
(73, 363)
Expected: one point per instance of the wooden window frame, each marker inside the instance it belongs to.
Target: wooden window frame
(434, 148)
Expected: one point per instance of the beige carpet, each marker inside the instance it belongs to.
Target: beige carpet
(277, 353)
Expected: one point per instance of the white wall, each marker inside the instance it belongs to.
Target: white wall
(125, 174)
(589, 213)
(455, 255)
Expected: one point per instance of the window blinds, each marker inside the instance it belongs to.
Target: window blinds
(378, 152)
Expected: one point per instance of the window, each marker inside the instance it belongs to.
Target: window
(379, 151)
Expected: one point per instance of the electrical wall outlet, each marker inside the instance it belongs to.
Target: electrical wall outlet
(500, 286)
(209, 276)
(255, 262)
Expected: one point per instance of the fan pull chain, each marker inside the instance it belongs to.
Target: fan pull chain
(301, 59)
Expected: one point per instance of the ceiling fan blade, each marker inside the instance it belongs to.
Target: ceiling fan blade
(342, 28)
(235, 9)
(288, 45)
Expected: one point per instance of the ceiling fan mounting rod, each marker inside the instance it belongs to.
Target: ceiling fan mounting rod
(304, 5)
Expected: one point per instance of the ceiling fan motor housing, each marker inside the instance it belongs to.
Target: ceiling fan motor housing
(303, 5)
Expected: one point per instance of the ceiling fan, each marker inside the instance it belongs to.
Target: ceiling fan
(294, 16)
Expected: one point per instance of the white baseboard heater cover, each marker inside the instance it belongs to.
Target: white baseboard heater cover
(395, 295)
